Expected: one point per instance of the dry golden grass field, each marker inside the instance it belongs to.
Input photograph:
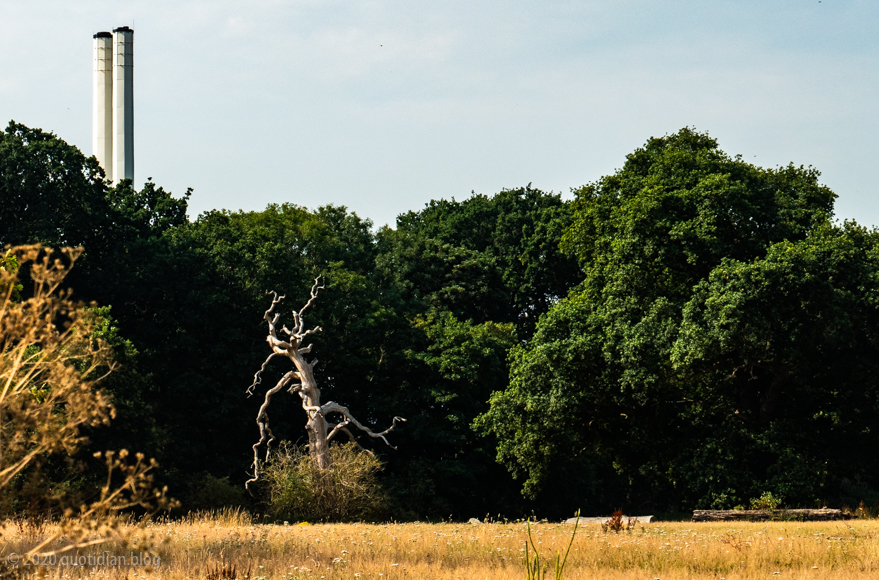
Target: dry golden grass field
(200, 548)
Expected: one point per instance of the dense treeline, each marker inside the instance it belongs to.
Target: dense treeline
(724, 342)
(690, 331)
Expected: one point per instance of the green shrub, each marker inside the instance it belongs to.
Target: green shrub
(347, 491)
(767, 501)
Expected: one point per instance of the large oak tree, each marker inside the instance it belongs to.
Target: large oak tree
(722, 344)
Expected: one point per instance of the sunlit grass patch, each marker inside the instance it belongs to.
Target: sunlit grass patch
(200, 545)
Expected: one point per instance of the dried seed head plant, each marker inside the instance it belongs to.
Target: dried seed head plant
(50, 368)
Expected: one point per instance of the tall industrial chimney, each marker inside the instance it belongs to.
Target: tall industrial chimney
(123, 103)
(102, 101)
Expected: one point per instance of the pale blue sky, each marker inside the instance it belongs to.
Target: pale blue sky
(384, 105)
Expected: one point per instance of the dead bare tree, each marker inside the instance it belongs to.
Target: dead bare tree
(320, 432)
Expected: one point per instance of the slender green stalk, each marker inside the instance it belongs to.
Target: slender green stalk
(533, 568)
(560, 568)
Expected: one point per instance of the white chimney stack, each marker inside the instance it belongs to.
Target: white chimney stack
(113, 103)
(102, 101)
(123, 104)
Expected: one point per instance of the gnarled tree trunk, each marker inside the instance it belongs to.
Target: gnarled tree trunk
(320, 432)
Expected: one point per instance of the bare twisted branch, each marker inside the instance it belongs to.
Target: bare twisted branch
(333, 407)
(265, 433)
(340, 428)
(272, 321)
(298, 321)
(257, 377)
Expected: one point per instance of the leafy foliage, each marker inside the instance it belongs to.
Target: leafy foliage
(486, 258)
(50, 364)
(51, 193)
(690, 331)
(696, 360)
(766, 501)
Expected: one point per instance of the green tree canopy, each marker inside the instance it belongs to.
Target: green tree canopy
(641, 376)
(466, 280)
(50, 192)
(692, 330)
(485, 258)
